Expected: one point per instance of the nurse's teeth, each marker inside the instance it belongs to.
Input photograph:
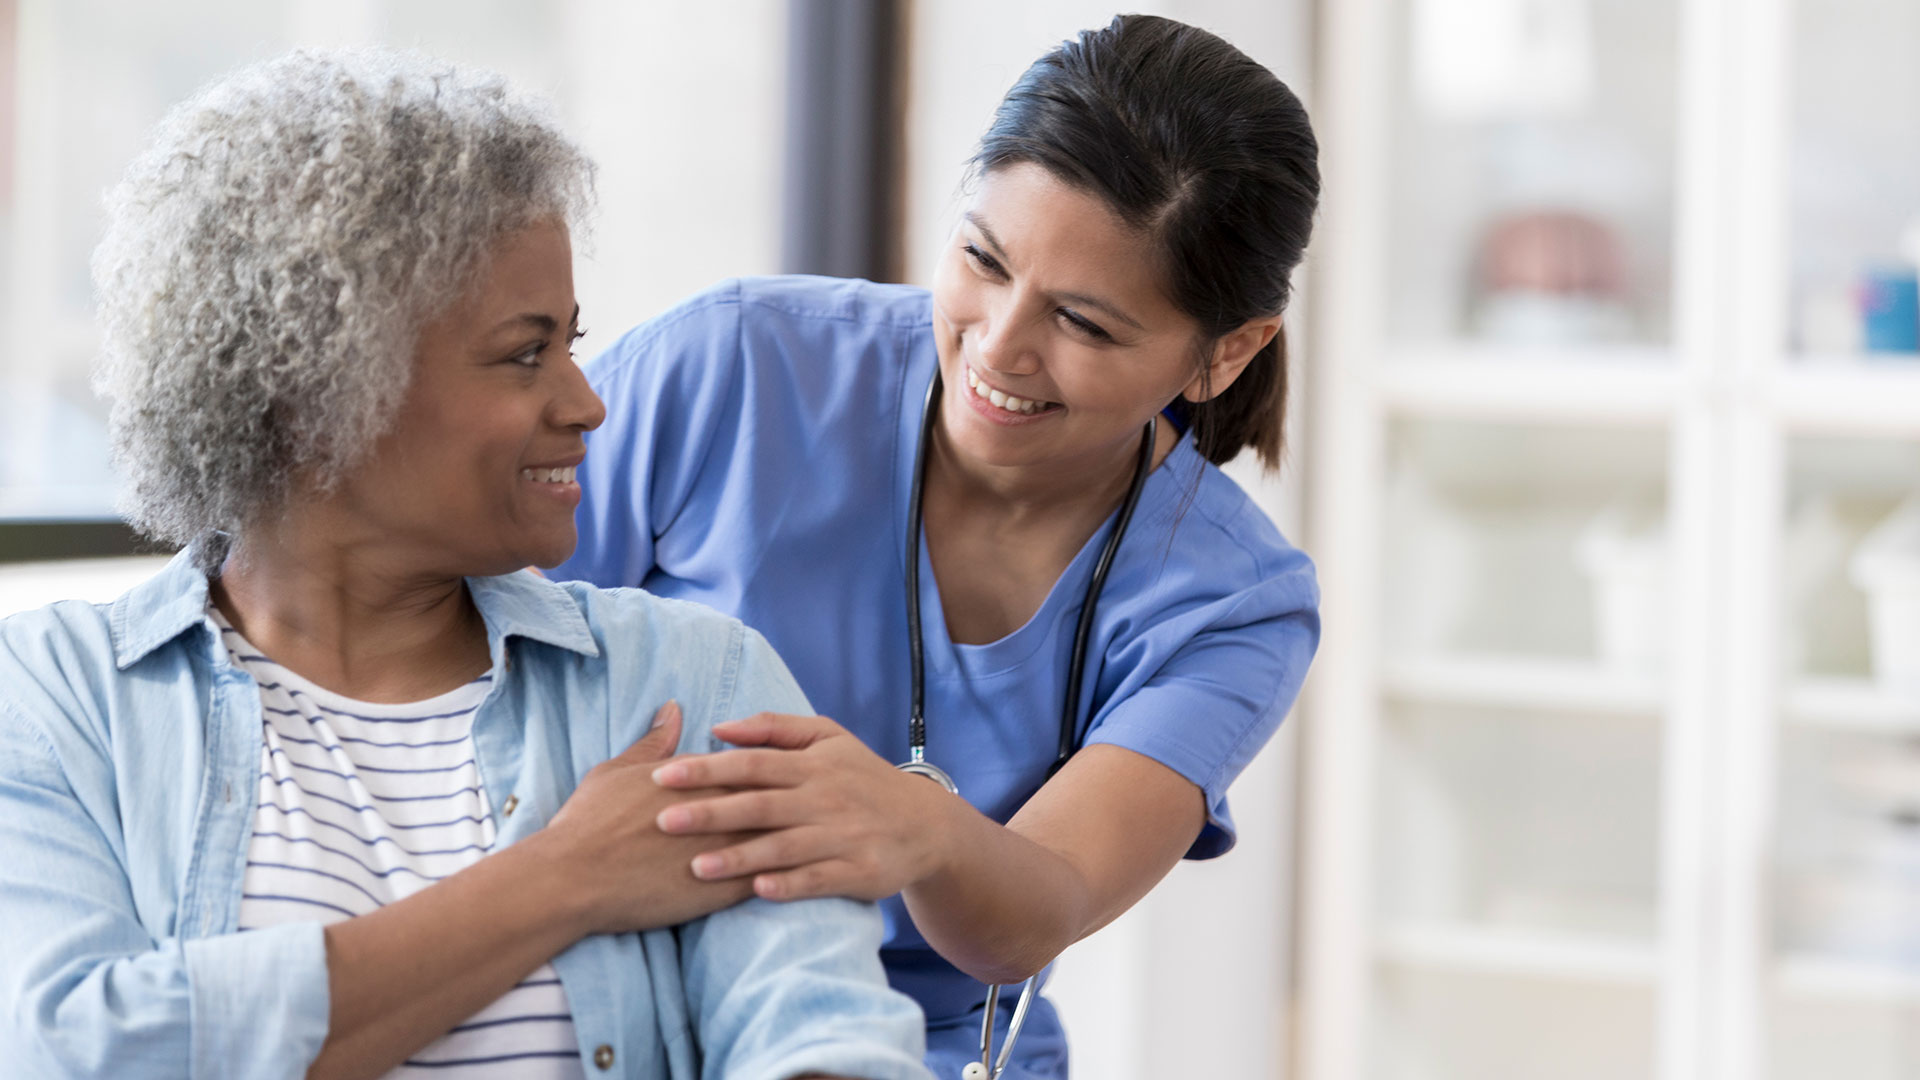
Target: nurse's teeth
(1001, 399)
(549, 476)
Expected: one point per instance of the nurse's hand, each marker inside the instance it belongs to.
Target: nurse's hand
(844, 822)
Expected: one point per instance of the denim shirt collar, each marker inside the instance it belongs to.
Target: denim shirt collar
(521, 604)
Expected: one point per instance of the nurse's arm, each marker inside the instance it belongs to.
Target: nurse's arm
(1000, 902)
(1006, 900)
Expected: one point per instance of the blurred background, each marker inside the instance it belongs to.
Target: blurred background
(1607, 446)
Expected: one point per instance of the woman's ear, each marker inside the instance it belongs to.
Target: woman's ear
(1231, 355)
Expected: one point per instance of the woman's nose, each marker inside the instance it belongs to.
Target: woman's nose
(577, 406)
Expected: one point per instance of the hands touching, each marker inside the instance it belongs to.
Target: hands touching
(828, 816)
(628, 874)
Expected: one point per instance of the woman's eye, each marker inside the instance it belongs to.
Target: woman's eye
(529, 356)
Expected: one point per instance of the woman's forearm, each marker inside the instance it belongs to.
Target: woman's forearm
(406, 974)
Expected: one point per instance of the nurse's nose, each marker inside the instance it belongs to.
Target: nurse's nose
(1009, 344)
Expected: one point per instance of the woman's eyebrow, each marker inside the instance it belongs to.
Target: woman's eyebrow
(1081, 299)
(538, 320)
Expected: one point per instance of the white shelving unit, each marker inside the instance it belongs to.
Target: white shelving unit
(1510, 682)
(1533, 848)
(1518, 953)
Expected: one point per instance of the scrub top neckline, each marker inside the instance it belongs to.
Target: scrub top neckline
(946, 657)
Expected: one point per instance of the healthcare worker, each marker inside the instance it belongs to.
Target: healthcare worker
(918, 497)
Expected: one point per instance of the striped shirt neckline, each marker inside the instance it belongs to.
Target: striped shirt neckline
(362, 804)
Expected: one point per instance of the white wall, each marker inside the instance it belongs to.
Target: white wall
(679, 103)
(1194, 981)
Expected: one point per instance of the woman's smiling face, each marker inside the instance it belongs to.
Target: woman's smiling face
(1056, 341)
(476, 476)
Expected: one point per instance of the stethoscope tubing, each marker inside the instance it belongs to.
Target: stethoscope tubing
(1069, 707)
(1083, 629)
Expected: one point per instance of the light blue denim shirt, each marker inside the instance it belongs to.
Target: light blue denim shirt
(129, 748)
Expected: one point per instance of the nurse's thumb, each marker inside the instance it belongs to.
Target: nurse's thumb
(661, 739)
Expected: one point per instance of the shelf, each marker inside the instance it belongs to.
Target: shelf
(1520, 682)
(1808, 975)
(1528, 953)
(1850, 396)
(1592, 385)
(1850, 704)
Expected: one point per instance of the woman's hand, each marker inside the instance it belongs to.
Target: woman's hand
(834, 818)
(627, 873)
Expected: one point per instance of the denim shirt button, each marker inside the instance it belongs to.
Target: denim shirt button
(506, 808)
(603, 1056)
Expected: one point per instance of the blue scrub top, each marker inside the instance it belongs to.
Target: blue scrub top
(757, 457)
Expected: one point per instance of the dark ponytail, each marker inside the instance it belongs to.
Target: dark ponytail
(1187, 138)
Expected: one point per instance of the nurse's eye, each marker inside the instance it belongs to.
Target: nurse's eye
(573, 337)
(1082, 325)
(984, 261)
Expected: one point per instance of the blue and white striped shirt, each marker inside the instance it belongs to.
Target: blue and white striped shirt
(362, 804)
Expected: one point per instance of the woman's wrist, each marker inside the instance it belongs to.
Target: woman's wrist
(552, 873)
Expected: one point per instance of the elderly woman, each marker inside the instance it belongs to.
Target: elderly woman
(342, 791)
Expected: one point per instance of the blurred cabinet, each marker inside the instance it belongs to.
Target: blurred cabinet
(1614, 746)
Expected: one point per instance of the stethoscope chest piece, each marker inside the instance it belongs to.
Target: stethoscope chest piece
(932, 772)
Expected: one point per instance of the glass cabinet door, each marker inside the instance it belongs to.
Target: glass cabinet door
(1845, 994)
(1844, 914)
(1854, 194)
(1518, 801)
(1532, 187)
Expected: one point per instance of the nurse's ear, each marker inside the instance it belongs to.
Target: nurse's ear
(1229, 355)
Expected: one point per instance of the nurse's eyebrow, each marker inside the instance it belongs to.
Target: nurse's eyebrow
(1081, 299)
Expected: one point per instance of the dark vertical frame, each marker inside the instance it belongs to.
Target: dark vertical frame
(846, 86)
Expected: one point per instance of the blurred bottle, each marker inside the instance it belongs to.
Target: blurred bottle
(1890, 309)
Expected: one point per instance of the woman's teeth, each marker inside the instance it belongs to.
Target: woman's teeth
(1004, 402)
(549, 476)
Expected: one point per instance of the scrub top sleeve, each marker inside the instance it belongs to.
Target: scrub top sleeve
(672, 391)
(1215, 702)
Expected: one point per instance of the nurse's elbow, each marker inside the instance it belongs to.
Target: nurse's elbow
(1003, 969)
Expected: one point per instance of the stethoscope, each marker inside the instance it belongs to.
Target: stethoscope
(987, 1068)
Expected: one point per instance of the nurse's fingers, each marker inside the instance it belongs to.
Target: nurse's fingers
(781, 850)
(733, 768)
(745, 811)
(785, 731)
(828, 877)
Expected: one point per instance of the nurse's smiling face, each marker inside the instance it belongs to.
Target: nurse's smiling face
(1056, 340)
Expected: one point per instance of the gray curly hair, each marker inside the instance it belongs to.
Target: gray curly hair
(270, 259)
